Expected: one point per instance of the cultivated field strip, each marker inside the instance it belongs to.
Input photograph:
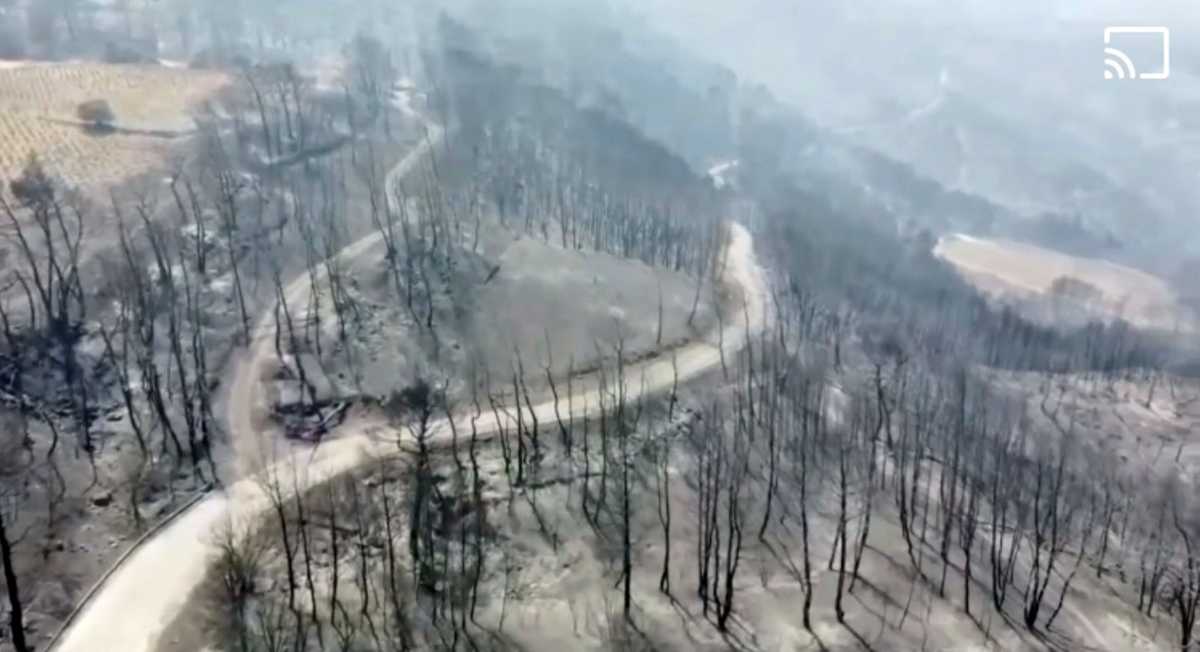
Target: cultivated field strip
(38, 103)
(144, 96)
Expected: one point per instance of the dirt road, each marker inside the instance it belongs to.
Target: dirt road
(245, 404)
(140, 599)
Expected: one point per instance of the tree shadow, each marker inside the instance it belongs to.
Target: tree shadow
(686, 619)
(1051, 641)
(785, 560)
(863, 643)
(883, 596)
(734, 640)
(974, 616)
(496, 640)
(98, 129)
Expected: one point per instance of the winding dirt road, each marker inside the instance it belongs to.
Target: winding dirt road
(152, 586)
(245, 403)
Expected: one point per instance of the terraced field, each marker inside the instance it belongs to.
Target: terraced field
(37, 114)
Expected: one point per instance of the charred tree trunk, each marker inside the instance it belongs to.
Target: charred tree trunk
(16, 609)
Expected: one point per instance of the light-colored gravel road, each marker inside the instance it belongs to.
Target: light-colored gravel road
(141, 598)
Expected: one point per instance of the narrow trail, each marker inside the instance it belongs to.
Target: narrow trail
(138, 601)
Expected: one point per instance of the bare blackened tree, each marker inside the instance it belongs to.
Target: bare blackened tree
(415, 406)
(14, 462)
(662, 486)
(16, 608)
(844, 445)
(1185, 585)
(627, 420)
(229, 190)
(710, 461)
(1049, 518)
(736, 476)
(183, 325)
(1004, 497)
(50, 248)
(807, 408)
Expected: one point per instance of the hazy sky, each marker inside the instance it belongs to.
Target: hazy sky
(776, 41)
(986, 95)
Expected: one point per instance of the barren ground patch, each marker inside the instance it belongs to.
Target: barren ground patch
(1014, 269)
(572, 307)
